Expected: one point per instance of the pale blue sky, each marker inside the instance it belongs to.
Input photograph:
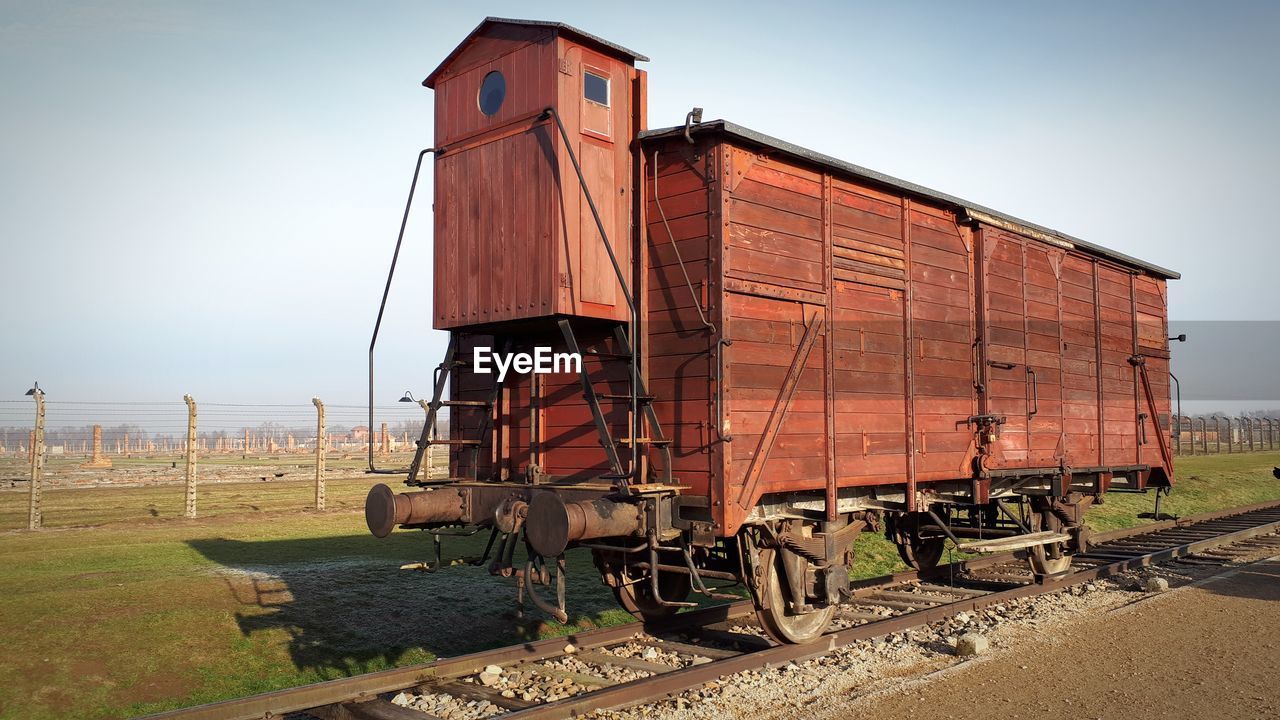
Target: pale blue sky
(203, 197)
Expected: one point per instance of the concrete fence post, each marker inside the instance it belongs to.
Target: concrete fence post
(35, 508)
(429, 456)
(321, 449)
(191, 456)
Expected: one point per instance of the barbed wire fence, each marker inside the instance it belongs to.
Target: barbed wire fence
(61, 444)
(50, 444)
(1217, 433)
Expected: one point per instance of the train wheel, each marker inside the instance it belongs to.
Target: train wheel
(637, 598)
(777, 619)
(1048, 560)
(916, 551)
(1044, 565)
(922, 553)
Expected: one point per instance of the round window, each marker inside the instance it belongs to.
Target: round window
(493, 89)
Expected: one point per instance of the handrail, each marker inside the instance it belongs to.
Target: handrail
(697, 304)
(720, 343)
(377, 325)
(1035, 393)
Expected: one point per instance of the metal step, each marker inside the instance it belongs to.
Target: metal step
(1016, 542)
(453, 442)
(645, 441)
(464, 403)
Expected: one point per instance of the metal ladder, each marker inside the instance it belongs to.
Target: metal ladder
(643, 405)
(428, 438)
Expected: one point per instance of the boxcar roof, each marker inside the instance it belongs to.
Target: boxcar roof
(751, 136)
(569, 30)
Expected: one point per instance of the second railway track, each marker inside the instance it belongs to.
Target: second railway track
(613, 667)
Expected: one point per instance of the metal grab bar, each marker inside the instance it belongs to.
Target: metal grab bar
(722, 417)
(721, 428)
(377, 325)
(1035, 393)
(697, 303)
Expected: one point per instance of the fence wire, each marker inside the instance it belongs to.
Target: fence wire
(1213, 434)
(159, 428)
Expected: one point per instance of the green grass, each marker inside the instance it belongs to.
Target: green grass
(138, 616)
(1201, 484)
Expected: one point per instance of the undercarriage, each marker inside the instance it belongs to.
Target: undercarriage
(655, 555)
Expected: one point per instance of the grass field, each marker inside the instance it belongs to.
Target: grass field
(133, 617)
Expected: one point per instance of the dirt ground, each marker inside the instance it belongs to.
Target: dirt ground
(1211, 649)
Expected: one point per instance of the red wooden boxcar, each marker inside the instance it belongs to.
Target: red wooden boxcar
(779, 349)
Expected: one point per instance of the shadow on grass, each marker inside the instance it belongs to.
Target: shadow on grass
(347, 608)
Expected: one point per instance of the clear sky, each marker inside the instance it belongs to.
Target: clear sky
(202, 197)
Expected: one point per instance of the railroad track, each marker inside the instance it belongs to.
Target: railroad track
(629, 664)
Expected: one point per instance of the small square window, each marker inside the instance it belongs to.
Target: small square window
(595, 88)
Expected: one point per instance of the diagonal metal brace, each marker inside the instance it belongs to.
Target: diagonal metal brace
(780, 407)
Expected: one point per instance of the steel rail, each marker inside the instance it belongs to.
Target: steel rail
(369, 686)
(658, 686)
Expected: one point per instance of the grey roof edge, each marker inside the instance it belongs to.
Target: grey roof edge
(973, 209)
(562, 27)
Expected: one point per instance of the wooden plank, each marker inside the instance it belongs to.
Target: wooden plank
(379, 709)
(860, 616)
(769, 218)
(873, 257)
(785, 393)
(638, 664)
(687, 649)
(476, 691)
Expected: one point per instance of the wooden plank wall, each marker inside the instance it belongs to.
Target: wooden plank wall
(766, 333)
(774, 273)
(679, 346)
(903, 391)
(1151, 303)
(782, 218)
(942, 331)
(567, 445)
(1080, 362)
(869, 279)
(1119, 343)
(486, 230)
(494, 259)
